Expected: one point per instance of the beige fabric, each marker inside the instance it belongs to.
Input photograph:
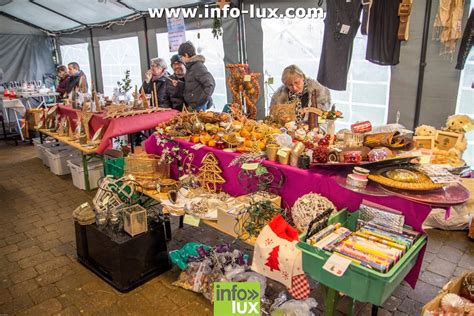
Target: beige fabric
(448, 24)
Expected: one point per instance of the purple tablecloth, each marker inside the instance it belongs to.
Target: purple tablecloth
(299, 182)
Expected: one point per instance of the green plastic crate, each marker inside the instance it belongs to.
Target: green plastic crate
(114, 167)
(358, 282)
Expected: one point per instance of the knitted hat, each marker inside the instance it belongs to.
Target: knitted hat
(187, 48)
(175, 59)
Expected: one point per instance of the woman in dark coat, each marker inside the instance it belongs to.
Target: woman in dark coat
(156, 76)
(63, 77)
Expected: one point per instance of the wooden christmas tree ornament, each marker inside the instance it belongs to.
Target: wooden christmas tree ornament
(210, 173)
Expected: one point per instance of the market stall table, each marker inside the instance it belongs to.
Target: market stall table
(299, 182)
(115, 127)
(37, 96)
(18, 110)
(87, 153)
(153, 194)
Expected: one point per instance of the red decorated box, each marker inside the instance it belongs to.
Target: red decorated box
(361, 127)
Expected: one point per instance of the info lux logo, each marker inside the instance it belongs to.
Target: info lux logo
(236, 298)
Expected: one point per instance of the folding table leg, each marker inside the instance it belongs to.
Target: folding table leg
(86, 171)
(18, 125)
(330, 299)
(4, 130)
(351, 307)
(375, 310)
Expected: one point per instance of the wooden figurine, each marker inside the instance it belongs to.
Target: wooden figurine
(155, 96)
(144, 99)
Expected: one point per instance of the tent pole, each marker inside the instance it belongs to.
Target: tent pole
(145, 26)
(241, 34)
(421, 72)
(93, 59)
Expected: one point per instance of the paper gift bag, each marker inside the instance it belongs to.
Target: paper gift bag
(275, 253)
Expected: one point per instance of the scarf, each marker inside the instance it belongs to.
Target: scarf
(448, 24)
(295, 97)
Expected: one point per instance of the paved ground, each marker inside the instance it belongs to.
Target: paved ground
(39, 274)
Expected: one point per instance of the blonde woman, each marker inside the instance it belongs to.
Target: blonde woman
(297, 88)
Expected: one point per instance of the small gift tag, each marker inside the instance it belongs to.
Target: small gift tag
(183, 177)
(345, 29)
(197, 146)
(250, 166)
(261, 170)
(191, 220)
(337, 265)
(282, 153)
(247, 78)
(468, 127)
(425, 159)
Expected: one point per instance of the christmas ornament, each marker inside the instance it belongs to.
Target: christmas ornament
(210, 174)
(244, 86)
(307, 207)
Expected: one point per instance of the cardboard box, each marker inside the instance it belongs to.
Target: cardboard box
(33, 117)
(453, 286)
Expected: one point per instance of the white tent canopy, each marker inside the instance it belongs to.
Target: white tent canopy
(55, 16)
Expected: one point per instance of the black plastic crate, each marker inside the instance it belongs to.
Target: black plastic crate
(123, 261)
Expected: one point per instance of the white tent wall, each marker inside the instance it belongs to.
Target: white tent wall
(441, 79)
(137, 28)
(254, 39)
(440, 89)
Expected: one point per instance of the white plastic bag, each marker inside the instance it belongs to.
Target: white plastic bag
(283, 307)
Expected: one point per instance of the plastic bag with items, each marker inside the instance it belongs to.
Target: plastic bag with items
(284, 307)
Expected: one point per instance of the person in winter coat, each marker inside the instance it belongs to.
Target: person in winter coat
(297, 88)
(174, 93)
(63, 78)
(156, 75)
(77, 81)
(199, 82)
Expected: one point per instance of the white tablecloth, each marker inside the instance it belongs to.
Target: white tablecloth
(15, 105)
(35, 94)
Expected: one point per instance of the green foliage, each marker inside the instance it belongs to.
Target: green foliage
(217, 27)
(126, 84)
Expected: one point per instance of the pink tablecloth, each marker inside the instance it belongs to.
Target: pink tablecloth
(299, 182)
(120, 126)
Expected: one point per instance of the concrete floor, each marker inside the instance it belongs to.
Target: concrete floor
(39, 273)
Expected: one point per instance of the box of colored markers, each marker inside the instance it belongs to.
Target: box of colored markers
(380, 256)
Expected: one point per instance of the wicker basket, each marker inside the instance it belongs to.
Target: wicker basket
(146, 169)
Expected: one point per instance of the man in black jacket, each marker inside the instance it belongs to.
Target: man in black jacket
(156, 76)
(199, 82)
(174, 93)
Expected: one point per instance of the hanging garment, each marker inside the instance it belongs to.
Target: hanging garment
(340, 28)
(466, 42)
(383, 45)
(448, 24)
